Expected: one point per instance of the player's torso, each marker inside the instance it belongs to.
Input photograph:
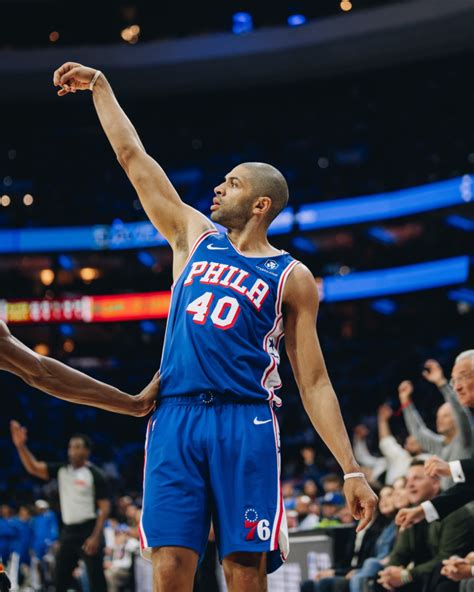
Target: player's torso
(225, 323)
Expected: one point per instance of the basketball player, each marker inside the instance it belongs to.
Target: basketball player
(212, 445)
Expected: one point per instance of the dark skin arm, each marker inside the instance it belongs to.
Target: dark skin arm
(35, 467)
(63, 382)
(92, 543)
(319, 399)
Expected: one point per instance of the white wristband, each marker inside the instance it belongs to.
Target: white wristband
(353, 476)
(94, 80)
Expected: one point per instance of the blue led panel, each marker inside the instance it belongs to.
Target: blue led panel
(386, 205)
(396, 280)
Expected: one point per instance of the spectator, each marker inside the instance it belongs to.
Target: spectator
(425, 546)
(21, 544)
(383, 544)
(332, 483)
(398, 458)
(377, 465)
(331, 504)
(118, 570)
(400, 493)
(310, 489)
(45, 532)
(360, 546)
(460, 570)
(310, 469)
(84, 505)
(7, 533)
(462, 378)
(453, 422)
(289, 495)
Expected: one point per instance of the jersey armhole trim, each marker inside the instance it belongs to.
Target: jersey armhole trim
(196, 244)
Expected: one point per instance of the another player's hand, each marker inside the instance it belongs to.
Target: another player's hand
(19, 433)
(409, 516)
(72, 76)
(405, 391)
(361, 500)
(145, 402)
(435, 467)
(434, 373)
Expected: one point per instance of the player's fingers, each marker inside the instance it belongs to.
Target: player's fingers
(69, 76)
(62, 92)
(62, 70)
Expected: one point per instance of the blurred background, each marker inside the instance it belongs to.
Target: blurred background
(366, 107)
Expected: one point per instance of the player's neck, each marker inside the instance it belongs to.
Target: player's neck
(252, 242)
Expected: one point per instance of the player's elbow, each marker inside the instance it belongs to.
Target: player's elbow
(38, 375)
(126, 154)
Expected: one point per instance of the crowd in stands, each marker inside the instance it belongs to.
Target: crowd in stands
(425, 554)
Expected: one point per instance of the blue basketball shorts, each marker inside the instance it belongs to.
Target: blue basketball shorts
(210, 458)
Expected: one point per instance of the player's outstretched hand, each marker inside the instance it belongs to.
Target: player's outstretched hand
(145, 402)
(19, 433)
(72, 76)
(361, 500)
(407, 517)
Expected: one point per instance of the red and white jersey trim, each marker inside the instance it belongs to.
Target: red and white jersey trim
(271, 342)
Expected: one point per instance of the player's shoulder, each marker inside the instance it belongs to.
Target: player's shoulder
(300, 285)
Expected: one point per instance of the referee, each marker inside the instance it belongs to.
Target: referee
(83, 497)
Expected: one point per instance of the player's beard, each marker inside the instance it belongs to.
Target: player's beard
(232, 217)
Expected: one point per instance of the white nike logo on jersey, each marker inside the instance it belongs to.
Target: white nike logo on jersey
(259, 422)
(211, 247)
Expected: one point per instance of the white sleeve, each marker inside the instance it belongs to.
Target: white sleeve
(430, 511)
(457, 472)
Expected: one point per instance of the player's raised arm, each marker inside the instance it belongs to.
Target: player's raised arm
(57, 379)
(319, 399)
(179, 223)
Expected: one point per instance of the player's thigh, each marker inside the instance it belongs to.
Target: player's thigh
(244, 471)
(176, 501)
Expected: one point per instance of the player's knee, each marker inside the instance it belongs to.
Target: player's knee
(244, 571)
(172, 566)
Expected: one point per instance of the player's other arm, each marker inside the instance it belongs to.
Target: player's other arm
(63, 382)
(34, 467)
(318, 396)
(179, 223)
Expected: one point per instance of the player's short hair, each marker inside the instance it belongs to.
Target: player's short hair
(268, 181)
(417, 462)
(85, 440)
(466, 355)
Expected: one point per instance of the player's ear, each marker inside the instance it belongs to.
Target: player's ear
(262, 205)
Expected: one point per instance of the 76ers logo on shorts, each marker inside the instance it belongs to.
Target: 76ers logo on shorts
(256, 527)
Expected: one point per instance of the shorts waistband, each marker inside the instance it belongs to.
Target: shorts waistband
(210, 398)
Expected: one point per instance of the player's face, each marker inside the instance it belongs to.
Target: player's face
(233, 201)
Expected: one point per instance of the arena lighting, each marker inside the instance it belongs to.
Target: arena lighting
(296, 20)
(346, 5)
(28, 199)
(146, 258)
(381, 235)
(53, 36)
(131, 34)
(462, 295)
(88, 274)
(47, 277)
(66, 262)
(396, 280)
(330, 214)
(460, 222)
(384, 306)
(155, 305)
(69, 346)
(5, 200)
(242, 22)
(393, 204)
(42, 349)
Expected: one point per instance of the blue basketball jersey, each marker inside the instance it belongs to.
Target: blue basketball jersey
(225, 322)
